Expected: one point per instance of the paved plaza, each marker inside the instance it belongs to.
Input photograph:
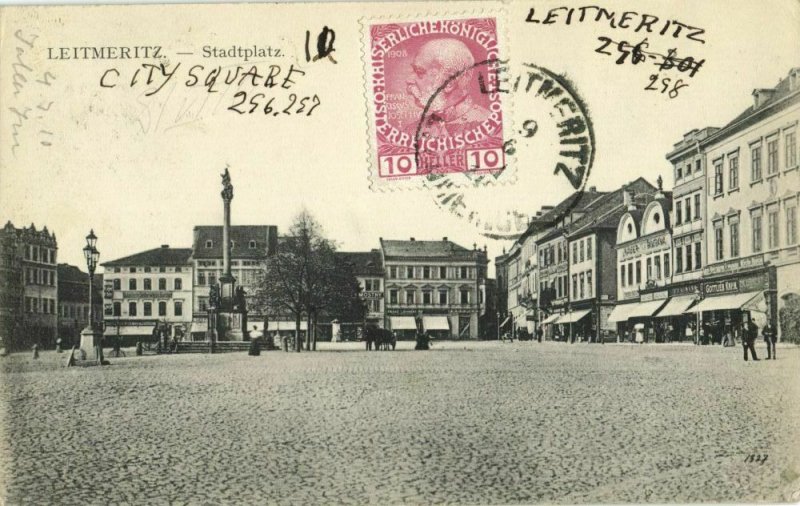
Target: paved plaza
(472, 423)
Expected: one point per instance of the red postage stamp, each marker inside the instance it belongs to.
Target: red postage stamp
(434, 100)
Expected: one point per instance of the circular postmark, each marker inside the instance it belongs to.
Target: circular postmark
(498, 191)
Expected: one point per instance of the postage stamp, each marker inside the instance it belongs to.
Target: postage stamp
(429, 112)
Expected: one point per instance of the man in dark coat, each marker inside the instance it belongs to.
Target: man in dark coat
(770, 336)
(750, 333)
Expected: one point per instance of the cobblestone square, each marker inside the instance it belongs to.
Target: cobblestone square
(467, 423)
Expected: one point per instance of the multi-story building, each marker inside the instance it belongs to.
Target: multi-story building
(501, 294)
(250, 247)
(73, 302)
(553, 265)
(146, 289)
(643, 266)
(368, 269)
(751, 231)
(28, 287)
(516, 311)
(592, 258)
(435, 286)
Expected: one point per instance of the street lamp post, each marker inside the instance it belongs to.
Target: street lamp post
(90, 336)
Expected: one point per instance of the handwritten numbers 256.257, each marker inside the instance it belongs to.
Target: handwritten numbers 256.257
(663, 85)
(259, 102)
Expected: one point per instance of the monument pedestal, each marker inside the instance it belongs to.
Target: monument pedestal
(90, 339)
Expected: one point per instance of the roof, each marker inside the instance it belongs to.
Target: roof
(265, 236)
(605, 212)
(578, 201)
(427, 249)
(754, 114)
(156, 256)
(364, 262)
(73, 284)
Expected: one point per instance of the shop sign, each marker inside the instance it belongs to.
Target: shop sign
(722, 287)
(743, 284)
(660, 295)
(371, 295)
(629, 294)
(147, 294)
(732, 266)
(645, 246)
(693, 289)
(130, 323)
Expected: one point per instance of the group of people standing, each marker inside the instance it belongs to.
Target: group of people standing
(750, 335)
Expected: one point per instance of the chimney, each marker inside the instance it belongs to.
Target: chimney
(592, 189)
(761, 95)
(413, 239)
(165, 246)
(627, 199)
(444, 238)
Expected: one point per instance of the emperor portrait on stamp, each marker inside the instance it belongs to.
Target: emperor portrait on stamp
(433, 105)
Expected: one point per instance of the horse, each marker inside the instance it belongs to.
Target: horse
(381, 338)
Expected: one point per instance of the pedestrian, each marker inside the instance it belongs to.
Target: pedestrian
(35, 348)
(539, 333)
(255, 343)
(750, 334)
(58, 345)
(770, 337)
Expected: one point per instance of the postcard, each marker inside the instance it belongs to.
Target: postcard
(498, 252)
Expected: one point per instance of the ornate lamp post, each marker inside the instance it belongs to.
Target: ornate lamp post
(91, 336)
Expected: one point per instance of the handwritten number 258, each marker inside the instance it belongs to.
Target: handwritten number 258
(665, 82)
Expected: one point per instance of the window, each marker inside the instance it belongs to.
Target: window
(630, 273)
(147, 309)
(443, 297)
(574, 285)
(464, 272)
(589, 283)
(178, 308)
(574, 253)
(409, 297)
(162, 308)
(772, 228)
(622, 274)
(698, 252)
(688, 168)
(162, 269)
(201, 278)
(117, 269)
(427, 297)
(209, 244)
(147, 269)
(638, 272)
(697, 166)
(718, 177)
(107, 311)
(178, 269)
(688, 257)
(649, 267)
(733, 229)
(582, 281)
(756, 221)
(203, 303)
(393, 296)
(393, 272)
(679, 173)
(733, 173)
(667, 266)
(657, 264)
(148, 284)
(131, 284)
(678, 212)
(588, 248)
(697, 206)
(791, 225)
(212, 278)
(410, 272)
(464, 296)
(117, 309)
(178, 284)
(442, 272)
(678, 259)
(132, 270)
(688, 205)
(426, 272)
(772, 156)
(718, 244)
(131, 309)
(162, 283)
(755, 163)
(581, 249)
(36, 254)
(252, 245)
(790, 142)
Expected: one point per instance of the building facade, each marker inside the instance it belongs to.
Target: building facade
(73, 302)
(28, 287)
(751, 229)
(368, 269)
(437, 287)
(146, 289)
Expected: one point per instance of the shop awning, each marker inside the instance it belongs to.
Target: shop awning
(574, 316)
(747, 300)
(645, 309)
(403, 323)
(620, 313)
(286, 325)
(676, 306)
(435, 323)
(550, 319)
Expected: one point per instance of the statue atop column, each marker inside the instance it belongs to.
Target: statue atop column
(227, 187)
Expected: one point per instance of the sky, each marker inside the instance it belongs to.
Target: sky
(144, 170)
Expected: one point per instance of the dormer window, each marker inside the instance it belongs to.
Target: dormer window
(252, 245)
(209, 244)
(657, 218)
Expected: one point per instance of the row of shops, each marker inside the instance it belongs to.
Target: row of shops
(704, 311)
